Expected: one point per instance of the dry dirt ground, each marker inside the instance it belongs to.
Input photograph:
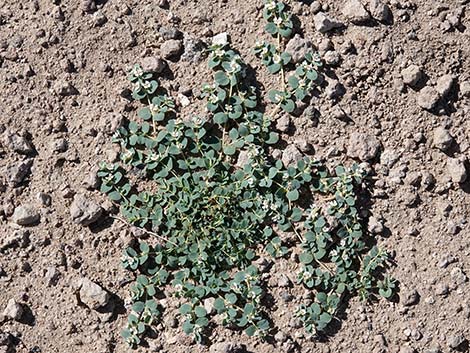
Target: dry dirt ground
(396, 96)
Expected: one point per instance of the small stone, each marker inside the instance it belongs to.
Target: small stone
(442, 289)
(297, 47)
(25, 215)
(220, 39)
(465, 89)
(375, 226)
(163, 4)
(332, 58)
(442, 139)
(355, 12)
(303, 145)
(88, 6)
(334, 89)
(363, 147)
(455, 341)
(84, 211)
(283, 123)
(283, 281)
(183, 100)
(227, 347)
(92, 294)
(153, 64)
(17, 172)
(280, 337)
(99, 19)
(315, 6)
(407, 349)
(412, 75)
(18, 143)
(44, 199)
(410, 298)
(64, 88)
(92, 181)
(380, 11)
(458, 276)
(427, 98)
(324, 24)
(291, 155)
(52, 275)
(456, 169)
(59, 145)
(171, 49)
(170, 33)
(444, 85)
(209, 305)
(13, 310)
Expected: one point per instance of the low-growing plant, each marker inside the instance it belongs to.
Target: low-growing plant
(213, 200)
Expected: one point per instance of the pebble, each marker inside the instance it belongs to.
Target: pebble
(297, 47)
(280, 337)
(17, 172)
(324, 24)
(412, 75)
(465, 88)
(456, 169)
(283, 123)
(13, 310)
(444, 85)
(427, 98)
(92, 294)
(458, 276)
(220, 39)
(84, 211)
(455, 341)
(284, 281)
(442, 139)
(291, 155)
(355, 12)
(88, 6)
(410, 298)
(17, 143)
(442, 289)
(407, 349)
(171, 49)
(64, 88)
(153, 64)
(170, 33)
(227, 347)
(303, 145)
(25, 215)
(362, 146)
(332, 58)
(380, 11)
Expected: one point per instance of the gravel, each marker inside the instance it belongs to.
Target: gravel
(153, 64)
(17, 143)
(442, 139)
(17, 172)
(456, 169)
(427, 98)
(92, 294)
(25, 215)
(363, 147)
(13, 310)
(410, 297)
(455, 341)
(84, 211)
(444, 85)
(171, 49)
(355, 12)
(380, 11)
(412, 75)
(291, 155)
(324, 23)
(297, 47)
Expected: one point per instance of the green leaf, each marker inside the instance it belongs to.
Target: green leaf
(185, 309)
(221, 78)
(306, 258)
(292, 195)
(200, 311)
(251, 330)
(114, 195)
